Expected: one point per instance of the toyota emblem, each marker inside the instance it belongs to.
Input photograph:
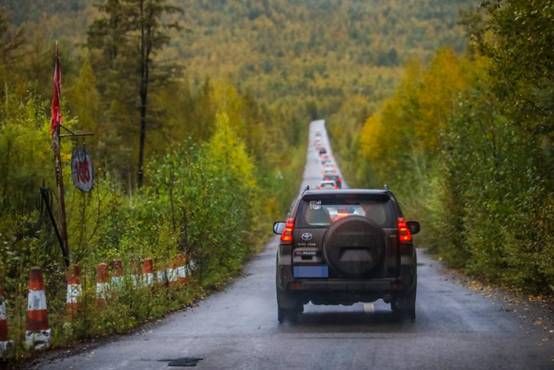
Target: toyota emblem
(306, 237)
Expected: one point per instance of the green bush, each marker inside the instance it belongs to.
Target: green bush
(466, 144)
(202, 199)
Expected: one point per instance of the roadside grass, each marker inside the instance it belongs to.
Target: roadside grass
(126, 310)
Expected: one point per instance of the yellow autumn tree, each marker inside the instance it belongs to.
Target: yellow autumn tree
(441, 84)
(225, 147)
(226, 97)
(403, 136)
(386, 135)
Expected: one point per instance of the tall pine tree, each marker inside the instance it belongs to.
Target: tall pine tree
(124, 43)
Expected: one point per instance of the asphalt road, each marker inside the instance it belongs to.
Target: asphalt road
(238, 329)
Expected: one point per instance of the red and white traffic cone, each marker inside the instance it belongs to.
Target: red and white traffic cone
(148, 271)
(102, 286)
(38, 334)
(5, 343)
(74, 290)
(117, 273)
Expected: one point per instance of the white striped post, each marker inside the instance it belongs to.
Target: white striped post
(37, 333)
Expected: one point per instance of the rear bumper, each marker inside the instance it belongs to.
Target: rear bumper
(293, 287)
(342, 291)
(383, 285)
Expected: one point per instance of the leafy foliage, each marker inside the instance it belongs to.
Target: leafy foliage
(211, 150)
(466, 142)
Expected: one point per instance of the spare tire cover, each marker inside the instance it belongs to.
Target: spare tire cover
(353, 246)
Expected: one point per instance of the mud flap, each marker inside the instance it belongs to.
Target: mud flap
(403, 305)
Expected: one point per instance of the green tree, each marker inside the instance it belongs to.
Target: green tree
(84, 100)
(517, 35)
(11, 40)
(128, 36)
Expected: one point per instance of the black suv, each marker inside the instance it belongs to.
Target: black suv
(346, 246)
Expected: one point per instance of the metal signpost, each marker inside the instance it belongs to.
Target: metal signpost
(82, 171)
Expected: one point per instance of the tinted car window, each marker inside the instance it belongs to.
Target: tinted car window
(323, 212)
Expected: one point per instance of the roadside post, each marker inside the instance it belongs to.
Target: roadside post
(5, 343)
(37, 333)
(81, 164)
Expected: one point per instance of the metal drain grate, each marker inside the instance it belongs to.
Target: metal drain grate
(183, 361)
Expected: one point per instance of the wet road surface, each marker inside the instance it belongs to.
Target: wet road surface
(238, 329)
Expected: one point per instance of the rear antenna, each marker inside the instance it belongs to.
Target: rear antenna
(307, 187)
(386, 187)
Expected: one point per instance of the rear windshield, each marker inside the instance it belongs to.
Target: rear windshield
(323, 212)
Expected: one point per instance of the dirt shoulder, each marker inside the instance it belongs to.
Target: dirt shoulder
(536, 310)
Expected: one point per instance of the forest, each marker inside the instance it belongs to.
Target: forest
(466, 142)
(447, 102)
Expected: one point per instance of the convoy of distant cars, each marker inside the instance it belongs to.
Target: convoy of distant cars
(330, 176)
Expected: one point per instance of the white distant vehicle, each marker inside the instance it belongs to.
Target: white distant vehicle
(327, 185)
(329, 167)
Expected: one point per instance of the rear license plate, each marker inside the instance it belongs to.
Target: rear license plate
(319, 271)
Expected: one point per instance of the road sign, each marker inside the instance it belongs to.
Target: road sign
(82, 171)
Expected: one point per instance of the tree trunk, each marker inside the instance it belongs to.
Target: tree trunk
(143, 94)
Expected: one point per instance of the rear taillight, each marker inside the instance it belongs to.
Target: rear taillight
(286, 235)
(404, 233)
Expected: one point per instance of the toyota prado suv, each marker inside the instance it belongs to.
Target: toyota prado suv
(343, 247)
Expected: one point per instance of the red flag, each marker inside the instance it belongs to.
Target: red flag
(55, 109)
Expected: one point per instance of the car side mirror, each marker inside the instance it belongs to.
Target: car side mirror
(278, 227)
(413, 226)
